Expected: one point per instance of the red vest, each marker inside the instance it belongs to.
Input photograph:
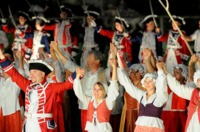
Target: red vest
(103, 113)
(194, 103)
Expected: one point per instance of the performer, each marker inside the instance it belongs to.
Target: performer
(10, 114)
(101, 103)
(131, 105)
(148, 38)
(40, 94)
(195, 36)
(120, 37)
(92, 40)
(191, 94)
(174, 113)
(41, 48)
(20, 43)
(151, 101)
(176, 50)
(64, 33)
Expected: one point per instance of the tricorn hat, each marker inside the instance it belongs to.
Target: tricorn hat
(40, 65)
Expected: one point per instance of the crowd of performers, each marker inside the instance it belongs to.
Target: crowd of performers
(134, 85)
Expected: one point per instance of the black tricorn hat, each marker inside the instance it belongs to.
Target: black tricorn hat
(40, 65)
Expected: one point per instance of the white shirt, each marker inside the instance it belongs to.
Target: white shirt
(9, 96)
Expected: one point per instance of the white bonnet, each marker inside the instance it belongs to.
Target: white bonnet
(136, 67)
(184, 72)
(149, 75)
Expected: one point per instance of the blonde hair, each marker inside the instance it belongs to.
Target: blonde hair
(102, 88)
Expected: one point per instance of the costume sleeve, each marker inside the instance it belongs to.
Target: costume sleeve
(70, 65)
(8, 29)
(181, 90)
(106, 33)
(132, 90)
(50, 27)
(58, 72)
(113, 92)
(163, 37)
(79, 92)
(21, 81)
(60, 87)
(161, 89)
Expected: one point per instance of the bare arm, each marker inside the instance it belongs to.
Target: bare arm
(54, 46)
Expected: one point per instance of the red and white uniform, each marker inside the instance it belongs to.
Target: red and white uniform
(176, 49)
(192, 94)
(19, 42)
(40, 101)
(62, 35)
(123, 43)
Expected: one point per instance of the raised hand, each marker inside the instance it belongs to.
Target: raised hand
(93, 23)
(146, 54)
(80, 72)
(160, 65)
(54, 45)
(3, 20)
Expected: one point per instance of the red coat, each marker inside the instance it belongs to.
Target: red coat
(124, 41)
(26, 29)
(67, 37)
(183, 51)
(47, 100)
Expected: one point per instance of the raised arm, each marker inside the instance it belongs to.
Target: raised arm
(149, 60)
(54, 46)
(21, 81)
(113, 89)
(78, 87)
(68, 64)
(161, 86)
(179, 89)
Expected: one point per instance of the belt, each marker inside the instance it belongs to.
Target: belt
(35, 115)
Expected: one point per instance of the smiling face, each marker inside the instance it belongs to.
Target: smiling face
(99, 91)
(36, 76)
(149, 84)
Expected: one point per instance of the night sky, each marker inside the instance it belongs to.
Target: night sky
(178, 7)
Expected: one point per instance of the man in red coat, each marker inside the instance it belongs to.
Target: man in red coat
(40, 95)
